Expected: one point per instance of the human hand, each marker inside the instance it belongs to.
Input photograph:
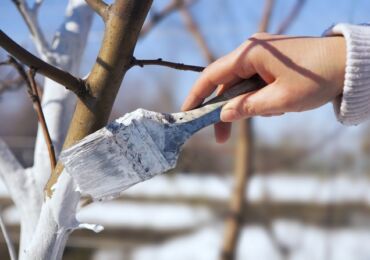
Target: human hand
(302, 73)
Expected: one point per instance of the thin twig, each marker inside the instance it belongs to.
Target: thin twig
(34, 96)
(8, 241)
(266, 16)
(157, 17)
(41, 117)
(36, 6)
(287, 22)
(195, 31)
(11, 85)
(160, 62)
(100, 7)
(2, 63)
(72, 83)
(30, 17)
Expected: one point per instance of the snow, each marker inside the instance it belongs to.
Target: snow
(155, 216)
(182, 185)
(279, 187)
(255, 243)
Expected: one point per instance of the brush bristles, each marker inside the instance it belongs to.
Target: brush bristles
(114, 158)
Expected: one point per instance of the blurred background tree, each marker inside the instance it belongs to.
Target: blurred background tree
(311, 173)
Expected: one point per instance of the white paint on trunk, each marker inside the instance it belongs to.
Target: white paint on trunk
(45, 226)
(57, 215)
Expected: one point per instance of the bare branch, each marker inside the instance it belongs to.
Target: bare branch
(8, 84)
(30, 17)
(2, 63)
(36, 6)
(243, 168)
(157, 17)
(266, 16)
(113, 61)
(72, 83)
(8, 241)
(193, 28)
(160, 62)
(286, 23)
(100, 7)
(11, 84)
(34, 96)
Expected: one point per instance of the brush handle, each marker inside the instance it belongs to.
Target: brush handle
(248, 85)
(208, 113)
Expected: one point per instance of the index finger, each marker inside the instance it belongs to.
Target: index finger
(225, 70)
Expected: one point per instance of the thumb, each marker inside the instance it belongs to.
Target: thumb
(272, 99)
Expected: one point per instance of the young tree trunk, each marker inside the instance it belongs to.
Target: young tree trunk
(57, 218)
(47, 222)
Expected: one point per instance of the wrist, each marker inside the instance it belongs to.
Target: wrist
(335, 52)
(353, 107)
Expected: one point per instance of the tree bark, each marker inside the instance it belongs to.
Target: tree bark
(243, 168)
(58, 213)
(123, 26)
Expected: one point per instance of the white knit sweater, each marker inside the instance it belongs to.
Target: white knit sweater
(353, 106)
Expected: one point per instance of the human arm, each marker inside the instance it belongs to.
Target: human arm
(302, 73)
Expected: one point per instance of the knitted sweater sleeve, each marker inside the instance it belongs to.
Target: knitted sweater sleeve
(353, 106)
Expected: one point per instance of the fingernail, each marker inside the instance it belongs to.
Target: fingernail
(229, 115)
(188, 104)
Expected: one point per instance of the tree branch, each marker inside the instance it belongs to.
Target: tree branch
(193, 28)
(114, 59)
(72, 83)
(35, 98)
(100, 7)
(11, 85)
(157, 17)
(243, 168)
(298, 6)
(30, 17)
(36, 6)
(160, 62)
(266, 16)
(8, 241)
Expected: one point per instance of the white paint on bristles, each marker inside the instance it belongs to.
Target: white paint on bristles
(125, 152)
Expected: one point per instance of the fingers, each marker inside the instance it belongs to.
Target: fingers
(222, 132)
(226, 70)
(270, 100)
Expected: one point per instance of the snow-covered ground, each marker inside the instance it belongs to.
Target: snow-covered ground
(301, 241)
(279, 187)
(256, 243)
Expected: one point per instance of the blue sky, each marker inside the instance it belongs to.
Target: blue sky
(226, 24)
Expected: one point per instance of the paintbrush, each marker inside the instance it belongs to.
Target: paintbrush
(140, 145)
